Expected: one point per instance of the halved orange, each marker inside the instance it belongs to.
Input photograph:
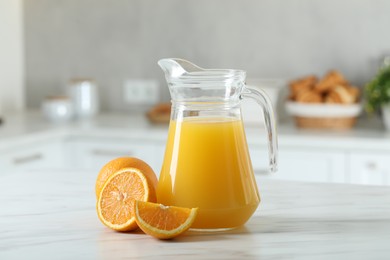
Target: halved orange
(124, 162)
(115, 205)
(163, 222)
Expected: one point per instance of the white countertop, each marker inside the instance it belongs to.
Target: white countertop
(31, 126)
(51, 215)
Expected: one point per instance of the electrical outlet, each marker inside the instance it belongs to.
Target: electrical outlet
(141, 91)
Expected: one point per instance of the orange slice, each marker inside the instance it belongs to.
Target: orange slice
(124, 162)
(163, 222)
(115, 205)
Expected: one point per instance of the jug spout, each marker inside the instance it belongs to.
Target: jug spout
(189, 82)
(175, 68)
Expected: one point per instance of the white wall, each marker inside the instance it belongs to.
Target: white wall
(11, 56)
(114, 40)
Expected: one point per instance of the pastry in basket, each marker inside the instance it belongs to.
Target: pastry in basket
(332, 103)
(333, 88)
(332, 79)
(308, 96)
(302, 84)
(342, 95)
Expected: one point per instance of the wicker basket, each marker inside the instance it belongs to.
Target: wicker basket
(325, 122)
(160, 113)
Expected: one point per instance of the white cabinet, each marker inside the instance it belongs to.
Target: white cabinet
(33, 156)
(295, 163)
(302, 164)
(300, 159)
(312, 165)
(79, 153)
(369, 168)
(92, 153)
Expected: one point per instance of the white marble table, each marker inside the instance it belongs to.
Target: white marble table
(51, 215)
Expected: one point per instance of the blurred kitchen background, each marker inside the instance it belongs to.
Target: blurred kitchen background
(45, 43)
(106, 52)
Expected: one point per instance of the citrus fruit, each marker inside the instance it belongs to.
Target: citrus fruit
(123, 162)
(115, 205)
(163, 222)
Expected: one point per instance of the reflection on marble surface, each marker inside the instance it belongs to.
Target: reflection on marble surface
(51, 215)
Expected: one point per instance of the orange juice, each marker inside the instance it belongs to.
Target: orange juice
(207, 165)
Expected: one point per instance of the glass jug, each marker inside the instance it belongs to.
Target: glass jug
(207, 163)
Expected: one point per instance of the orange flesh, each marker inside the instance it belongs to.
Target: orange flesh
(117, 199)
(163, 217)
(163, 222)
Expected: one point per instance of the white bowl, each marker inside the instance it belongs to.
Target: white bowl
(57, 109)
(323, 110)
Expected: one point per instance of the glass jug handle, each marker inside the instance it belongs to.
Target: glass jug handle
(263, 100)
